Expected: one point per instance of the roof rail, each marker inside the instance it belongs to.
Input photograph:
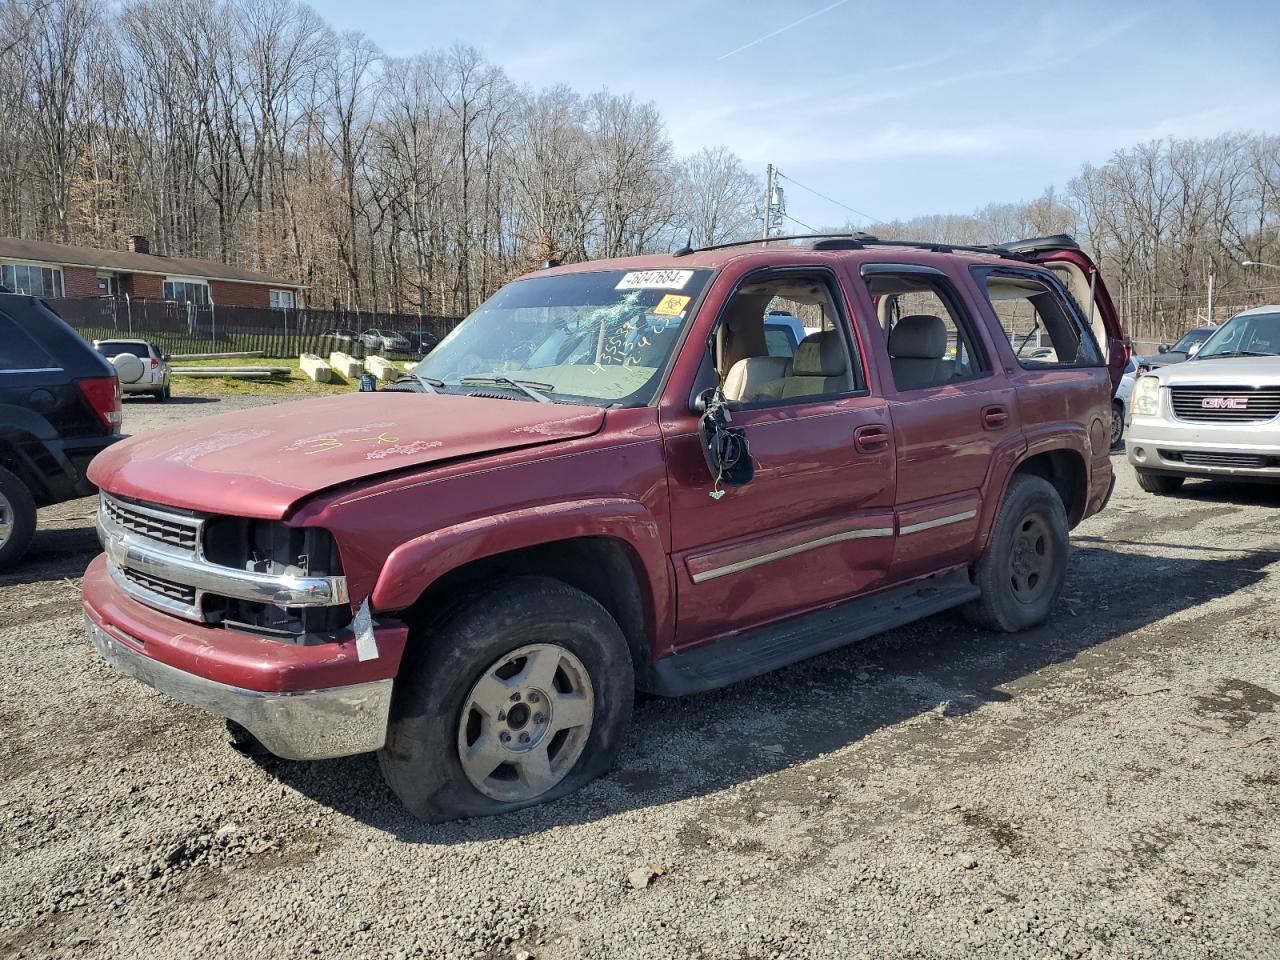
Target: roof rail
(1014, 250)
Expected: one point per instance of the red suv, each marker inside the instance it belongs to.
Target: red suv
(603, 481)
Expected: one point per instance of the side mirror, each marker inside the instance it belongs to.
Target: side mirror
(724, 447)
(702, 401)
(1162, 348)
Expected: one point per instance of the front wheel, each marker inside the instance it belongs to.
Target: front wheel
(1159, 483)
(519, 696)
(1117, 425)
(1025, 565)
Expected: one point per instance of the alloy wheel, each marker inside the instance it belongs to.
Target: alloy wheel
(526, 722)
(6, 520)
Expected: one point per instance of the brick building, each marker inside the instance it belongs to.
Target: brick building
(54, 271)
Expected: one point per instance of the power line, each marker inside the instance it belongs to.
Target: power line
(865, 216)
(800, 223)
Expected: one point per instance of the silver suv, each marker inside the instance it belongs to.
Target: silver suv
(1214, 416)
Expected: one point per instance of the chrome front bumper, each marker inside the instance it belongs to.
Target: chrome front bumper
(1168, 446)
(180, 567)
(296, 725)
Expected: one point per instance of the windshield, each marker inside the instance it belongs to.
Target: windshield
(1189, 340)
(1253, 335)
(581, 337)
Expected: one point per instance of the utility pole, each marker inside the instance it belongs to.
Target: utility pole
(768, 199)
(1211, 297)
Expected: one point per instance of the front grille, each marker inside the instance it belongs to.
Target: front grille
(165, 588)
(176, 531)
(1225, 404)
(1253, 461)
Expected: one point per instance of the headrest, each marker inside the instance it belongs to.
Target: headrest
(820, 355)
(918, 337)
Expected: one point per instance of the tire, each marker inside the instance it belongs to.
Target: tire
(161, 395)
(1022, 572)
(17, 518)
(1117, 425)
(518, 634)
(1159, 483)
(129, 369)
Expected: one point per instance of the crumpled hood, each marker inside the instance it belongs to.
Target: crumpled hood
(1229, 371)
(261, 461)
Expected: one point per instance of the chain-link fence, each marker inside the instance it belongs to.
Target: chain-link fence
(185, 328)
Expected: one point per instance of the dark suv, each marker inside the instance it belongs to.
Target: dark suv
(59, 406)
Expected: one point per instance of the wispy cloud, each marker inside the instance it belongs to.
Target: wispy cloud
(794, 23)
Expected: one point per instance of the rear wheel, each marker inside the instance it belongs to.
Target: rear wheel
(519, 696)
(17, 518)
(1159, 483)
(1025, 565)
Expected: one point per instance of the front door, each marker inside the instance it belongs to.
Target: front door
(815, 524)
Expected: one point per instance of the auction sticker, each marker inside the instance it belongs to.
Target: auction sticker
(654, 280)
(672, 305)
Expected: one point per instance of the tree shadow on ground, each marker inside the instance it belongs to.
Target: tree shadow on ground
(702, 744)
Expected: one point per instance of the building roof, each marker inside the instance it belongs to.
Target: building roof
(38, 251)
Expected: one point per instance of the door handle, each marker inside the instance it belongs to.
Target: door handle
(872, 438)
(995, 418)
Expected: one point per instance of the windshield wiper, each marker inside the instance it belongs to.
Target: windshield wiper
(429, 384)
(527, 387)
(1233, 353)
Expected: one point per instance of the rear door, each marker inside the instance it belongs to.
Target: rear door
(951, 408)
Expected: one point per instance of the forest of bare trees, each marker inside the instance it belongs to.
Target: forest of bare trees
(249, 131)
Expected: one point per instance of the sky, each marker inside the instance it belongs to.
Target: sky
(894, 108)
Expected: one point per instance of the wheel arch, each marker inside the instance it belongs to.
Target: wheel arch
(604, 568)
(1068, 473)
(611, 550)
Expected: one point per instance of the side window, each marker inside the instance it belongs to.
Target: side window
(929, 337)
(18, 351)
(778, 340)
(822, 365)
(1043, 330)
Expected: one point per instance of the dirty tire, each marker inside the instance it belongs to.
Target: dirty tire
(1159, 483)
(17, 518)
(1030, 531)
(1117, 425)
(421, 759)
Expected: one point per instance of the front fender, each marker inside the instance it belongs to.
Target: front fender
(414, 565)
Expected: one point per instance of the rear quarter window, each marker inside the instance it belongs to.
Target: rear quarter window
(18, 350)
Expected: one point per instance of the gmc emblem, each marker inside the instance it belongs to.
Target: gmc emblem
(1224, 403)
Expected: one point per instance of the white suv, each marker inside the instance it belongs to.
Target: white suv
(1214, 416)
(140, 367)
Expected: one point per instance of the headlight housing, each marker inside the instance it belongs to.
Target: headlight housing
(1146, 397)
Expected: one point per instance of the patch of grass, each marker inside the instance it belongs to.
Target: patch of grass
(297, 384)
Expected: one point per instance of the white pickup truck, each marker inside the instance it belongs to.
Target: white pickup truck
(1215, 416)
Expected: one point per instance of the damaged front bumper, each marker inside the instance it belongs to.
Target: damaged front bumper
(301, 702)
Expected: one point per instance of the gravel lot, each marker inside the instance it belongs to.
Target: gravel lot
(1107, 785)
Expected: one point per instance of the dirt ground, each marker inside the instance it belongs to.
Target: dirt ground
(1105, 786)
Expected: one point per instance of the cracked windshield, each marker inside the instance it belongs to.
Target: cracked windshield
(599, 337)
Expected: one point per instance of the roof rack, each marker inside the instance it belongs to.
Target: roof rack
(1014, 250)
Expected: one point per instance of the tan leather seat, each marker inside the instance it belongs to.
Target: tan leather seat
(750, 375)
(917, 352)
(820, 367)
